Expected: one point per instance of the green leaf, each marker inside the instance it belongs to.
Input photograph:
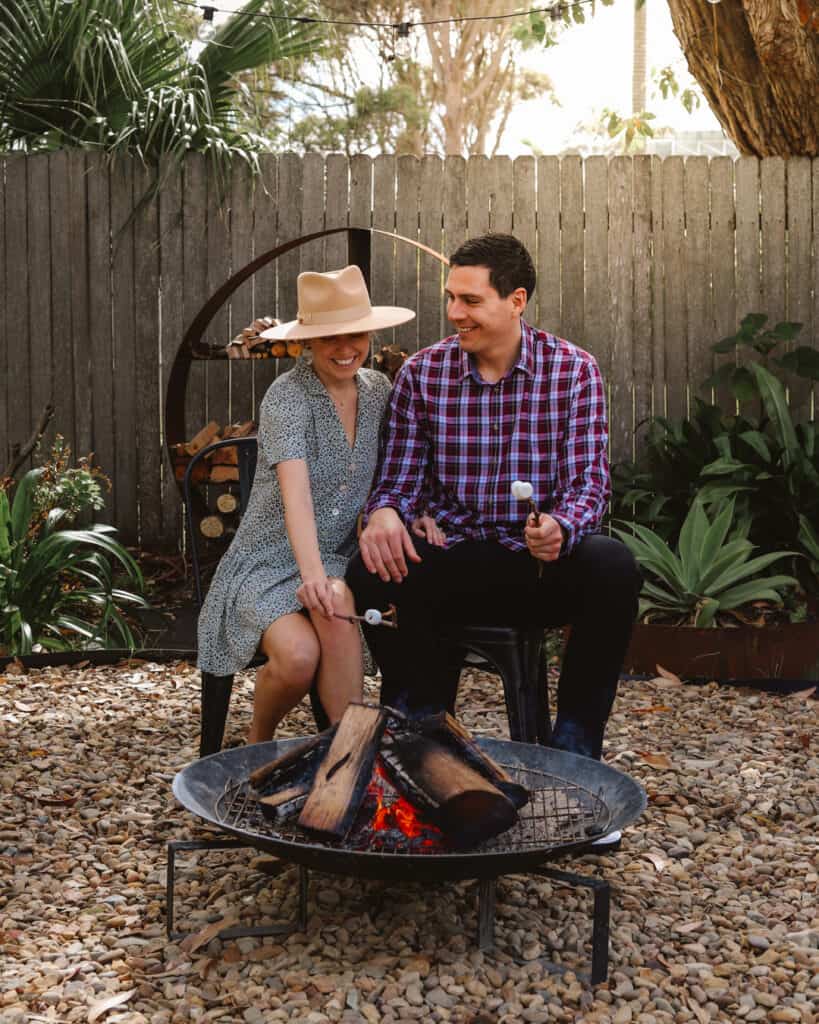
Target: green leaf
(752, 323)
(744, 570)
(743, 383)
(756, 590)
(773, 396)
(757, 440)
(706, 612)
(23, 505)
(803, 361)
(692, 535)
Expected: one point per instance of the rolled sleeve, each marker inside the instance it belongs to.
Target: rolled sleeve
(283, 426)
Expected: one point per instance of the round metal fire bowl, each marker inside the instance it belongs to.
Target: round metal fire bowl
(200, 784)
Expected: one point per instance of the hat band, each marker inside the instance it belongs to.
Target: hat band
(336, 316)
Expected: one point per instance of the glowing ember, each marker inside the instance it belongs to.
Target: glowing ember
(398, 814)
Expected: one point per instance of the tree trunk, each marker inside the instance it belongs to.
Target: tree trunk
(757, 62)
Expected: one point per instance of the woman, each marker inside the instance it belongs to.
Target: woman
(280, 584)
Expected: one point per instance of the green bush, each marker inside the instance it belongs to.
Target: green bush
(710, 570)
(764, 463)
(59, 587)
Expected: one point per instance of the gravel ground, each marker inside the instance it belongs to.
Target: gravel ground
(715, 914)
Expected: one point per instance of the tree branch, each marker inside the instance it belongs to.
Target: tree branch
(19, 453)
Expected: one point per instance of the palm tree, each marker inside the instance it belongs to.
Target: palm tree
(112, 75)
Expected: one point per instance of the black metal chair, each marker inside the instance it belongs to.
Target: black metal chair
(516, 654)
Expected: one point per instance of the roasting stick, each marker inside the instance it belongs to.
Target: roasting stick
(522, 490)
(373, 617)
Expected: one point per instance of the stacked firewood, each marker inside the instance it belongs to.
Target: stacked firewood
(221, 466)
(433, 763)
(248, 343)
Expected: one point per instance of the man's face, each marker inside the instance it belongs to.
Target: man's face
(484, 321)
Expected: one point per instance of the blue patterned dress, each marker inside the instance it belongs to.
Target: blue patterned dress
(256, 580)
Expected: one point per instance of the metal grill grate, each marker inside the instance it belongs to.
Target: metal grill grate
(559, 813)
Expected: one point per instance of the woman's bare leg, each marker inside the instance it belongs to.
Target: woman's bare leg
(340, 676)
(293, 653)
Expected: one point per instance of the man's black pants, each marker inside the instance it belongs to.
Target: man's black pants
(594, 589)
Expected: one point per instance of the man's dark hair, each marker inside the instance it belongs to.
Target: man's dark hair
(507, 260)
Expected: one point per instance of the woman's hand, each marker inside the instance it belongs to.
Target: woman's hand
(316, 595)
(425, 526)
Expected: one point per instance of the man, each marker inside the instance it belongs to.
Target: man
(496, 402)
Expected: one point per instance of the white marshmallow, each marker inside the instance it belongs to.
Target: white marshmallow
(372, 617)
(522, 490)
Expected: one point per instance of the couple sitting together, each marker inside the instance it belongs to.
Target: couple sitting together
(431, 463)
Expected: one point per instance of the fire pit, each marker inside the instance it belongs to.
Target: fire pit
(574, 800)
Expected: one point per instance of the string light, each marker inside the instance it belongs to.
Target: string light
(401, 29)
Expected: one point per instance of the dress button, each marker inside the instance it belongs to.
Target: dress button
(334, 512)
(343, 487)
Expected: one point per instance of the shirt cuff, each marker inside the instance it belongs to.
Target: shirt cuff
(569, 534)
(399, 506)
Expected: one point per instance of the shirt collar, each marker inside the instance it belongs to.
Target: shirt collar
(525, 360)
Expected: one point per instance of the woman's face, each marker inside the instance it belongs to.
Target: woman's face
(337, 357)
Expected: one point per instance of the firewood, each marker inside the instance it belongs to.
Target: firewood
(227, 503)
(212, 526)
(294, 349)
(227, 456)
(205, 436)
(278, 349)
(345, 772)
(446, 790)
(223, 474)
(239, 429)
(285, 802)
(200, 471)
(295, 755)
(449, 731)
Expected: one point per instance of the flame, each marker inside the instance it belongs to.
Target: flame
(399, 814)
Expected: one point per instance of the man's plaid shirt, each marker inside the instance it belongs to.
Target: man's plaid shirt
(454, 443)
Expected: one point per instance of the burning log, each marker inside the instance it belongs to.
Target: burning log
(451, 734)
(282, 786)
(345, 773)
(447, 790)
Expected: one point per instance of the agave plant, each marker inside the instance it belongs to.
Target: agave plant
(57, 586)
(112, 76)
(711, 570)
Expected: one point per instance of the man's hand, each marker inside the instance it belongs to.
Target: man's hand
(544, 540)
(426, 527)
(385, 545)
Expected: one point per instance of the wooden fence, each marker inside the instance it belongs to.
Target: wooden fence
(643, 261)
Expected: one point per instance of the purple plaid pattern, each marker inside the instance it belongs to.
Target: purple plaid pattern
(454, 444)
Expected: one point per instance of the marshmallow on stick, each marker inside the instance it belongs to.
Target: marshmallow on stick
(373, 617)
(522, 490)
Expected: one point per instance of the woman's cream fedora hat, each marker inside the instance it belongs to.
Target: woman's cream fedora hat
(336, 303)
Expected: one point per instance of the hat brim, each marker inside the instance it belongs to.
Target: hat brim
(380, 318)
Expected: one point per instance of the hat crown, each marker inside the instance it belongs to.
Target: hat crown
(338, 296)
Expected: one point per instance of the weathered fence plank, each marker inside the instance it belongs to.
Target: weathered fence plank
(430, 276)
(382, 278)
(798, 213)
(77, 270)
(596, 336)
(748, 247)
(241, 302)
(313, 202)
(39, 285)
(61, 257)
(699, 327)
(572, 282)
(146, 357)
(478, 192)
(218, 271)
(406, 257)
(454, 203)
(291, 171)
(659, 404)
(645, 272)
(4, 331)
(21, 417)
(772, 187)
(172, 325)
(676, 346)
(125, 404)
(501, 196)
(523, 224)
(265, 235)
(723, 276)
(547, 252)
(336, 207)
(621, 289)
(195, 282)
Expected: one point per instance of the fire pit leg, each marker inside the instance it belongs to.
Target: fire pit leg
(300, 924)
(600, 923)
(486, 913)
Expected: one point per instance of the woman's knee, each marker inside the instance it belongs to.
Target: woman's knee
(294, 659)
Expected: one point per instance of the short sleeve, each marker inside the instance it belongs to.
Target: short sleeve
(283, 420)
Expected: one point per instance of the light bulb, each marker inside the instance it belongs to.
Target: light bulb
(207, 29)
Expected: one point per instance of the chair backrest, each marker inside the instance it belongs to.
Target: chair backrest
(247, 451)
